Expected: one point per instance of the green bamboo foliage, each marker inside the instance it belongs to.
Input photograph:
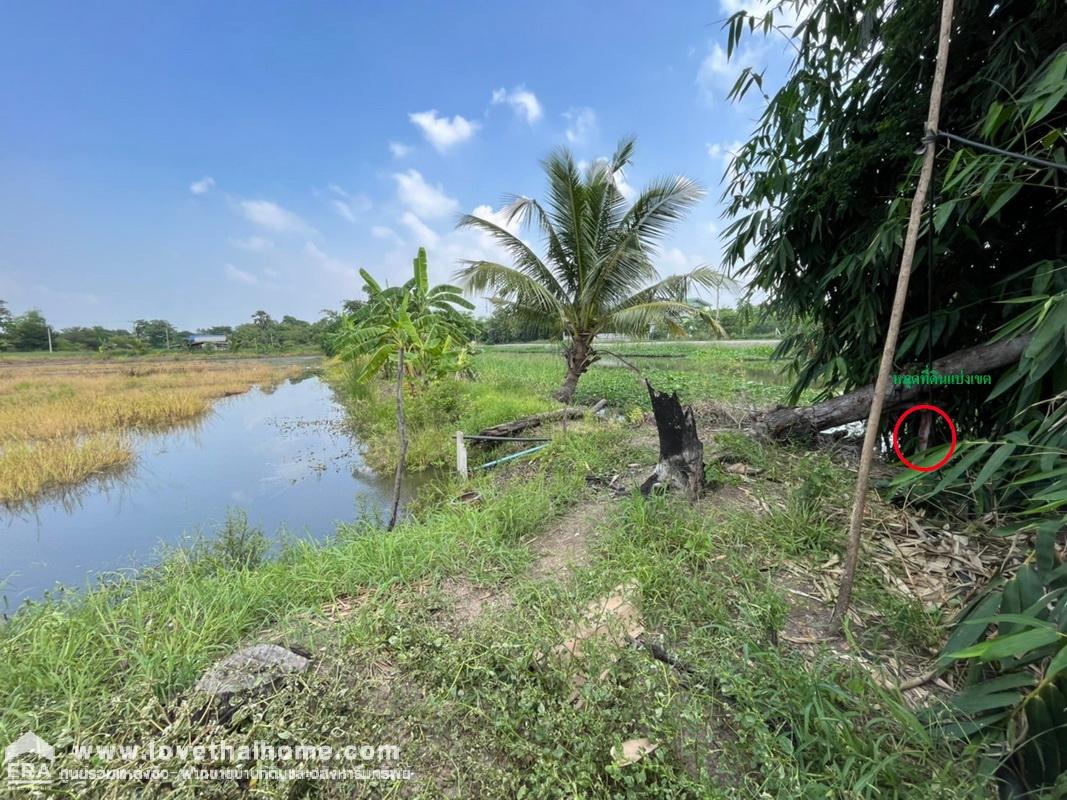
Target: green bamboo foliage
(1012, 643)
(818, 201)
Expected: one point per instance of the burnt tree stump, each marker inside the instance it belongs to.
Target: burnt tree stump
(681, 453)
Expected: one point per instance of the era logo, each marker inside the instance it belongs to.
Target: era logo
(28, 761)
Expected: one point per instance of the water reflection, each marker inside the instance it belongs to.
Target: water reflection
(283, 455)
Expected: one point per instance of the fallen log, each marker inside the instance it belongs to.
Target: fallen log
(806, 421)
(506, 430)
(681, 453)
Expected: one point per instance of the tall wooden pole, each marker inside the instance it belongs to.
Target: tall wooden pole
(863, 479)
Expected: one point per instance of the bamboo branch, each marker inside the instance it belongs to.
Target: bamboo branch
(848, 574)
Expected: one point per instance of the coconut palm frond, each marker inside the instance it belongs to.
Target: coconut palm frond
(567, 208)
(636, 319)
(531, 214)
(507, 282)
(662, 204)
(526, 260)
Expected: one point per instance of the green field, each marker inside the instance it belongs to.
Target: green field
(445, 636)
(513, 381)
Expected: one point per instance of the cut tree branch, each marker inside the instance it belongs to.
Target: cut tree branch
(806, 421)
(509, 429)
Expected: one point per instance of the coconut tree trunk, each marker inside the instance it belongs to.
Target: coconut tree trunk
(402, 432)
(580, 356)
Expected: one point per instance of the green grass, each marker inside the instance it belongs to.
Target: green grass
(515, 383)
(476, 710)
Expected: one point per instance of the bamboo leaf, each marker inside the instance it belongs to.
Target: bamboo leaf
(1013, 646)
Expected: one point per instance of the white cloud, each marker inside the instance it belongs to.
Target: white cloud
(348, 206)
(498, 217)
(327, 262)
(522, 101)
(715, 64)
(581, 124)
(337, 277)
(344, 210)
(675, 261)
(383, 232)
(256, 244)
(425, 236)
(240, 276)
(445, 251)
(202, 186)
(625, 189)
(717, 72)
(473, 244)
(724, 153)
(399, 150)
(672, 260)
(273, 217)
(425, 200)
(443, 133)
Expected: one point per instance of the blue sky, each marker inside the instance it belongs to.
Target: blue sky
(199, 161)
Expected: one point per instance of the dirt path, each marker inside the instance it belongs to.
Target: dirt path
(565, 546)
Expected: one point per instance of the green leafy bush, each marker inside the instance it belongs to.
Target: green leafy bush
(1015, 683)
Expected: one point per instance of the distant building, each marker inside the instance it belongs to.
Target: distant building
(211, 341)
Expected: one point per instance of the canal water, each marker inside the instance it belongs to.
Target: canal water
(283, 456)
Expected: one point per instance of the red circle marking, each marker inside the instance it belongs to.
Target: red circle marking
(896, 438)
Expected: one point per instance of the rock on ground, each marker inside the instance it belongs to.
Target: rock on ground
(250, 668)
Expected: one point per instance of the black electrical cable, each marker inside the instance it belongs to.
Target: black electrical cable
(1040, 162)
(932, 136)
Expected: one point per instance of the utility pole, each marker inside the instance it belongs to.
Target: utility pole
(49, 329)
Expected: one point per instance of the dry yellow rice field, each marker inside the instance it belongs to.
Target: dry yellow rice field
(62, 423)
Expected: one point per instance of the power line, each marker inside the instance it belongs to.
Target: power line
(1039, 162)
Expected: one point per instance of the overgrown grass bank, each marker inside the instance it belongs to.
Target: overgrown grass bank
(477, 709)
(515, 381)
(443, 637)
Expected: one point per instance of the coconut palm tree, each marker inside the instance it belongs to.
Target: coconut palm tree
(597, 274)
(413, 325)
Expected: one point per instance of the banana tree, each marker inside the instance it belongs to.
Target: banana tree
(415, 327)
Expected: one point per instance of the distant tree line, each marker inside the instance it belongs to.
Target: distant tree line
(746, 321)
(30, 331)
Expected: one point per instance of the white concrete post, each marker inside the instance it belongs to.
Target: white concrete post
(461, 455)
